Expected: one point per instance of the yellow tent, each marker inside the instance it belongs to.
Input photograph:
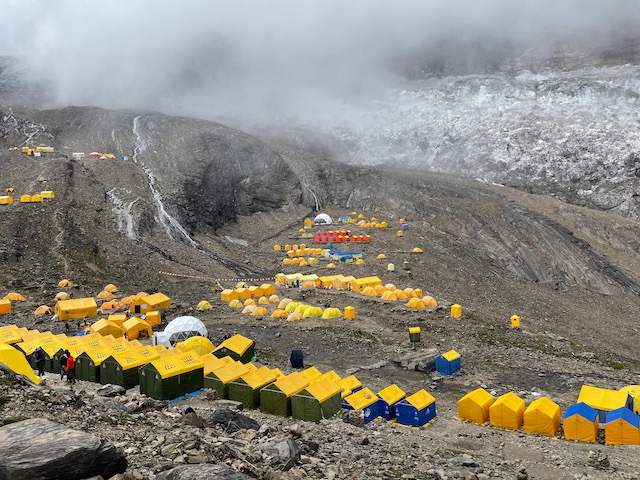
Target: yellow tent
(78, 308)
(580, 422)
(311, 311)
(291, 307)
(381, 256)
(236, 303)
(203, 305)
(249, 301)
(105, 327)
(274, 298)
(411, 293)
(634, 391)
(310, 373)
(118, 318)
(294, 317)
(416, 250)
(604, 400)
(507, 411)
(301, 308)
(149, 303)
(106, 295)
(361, 283)
(331, 313)
(228, 295)
(135, 328)
(380, 289)
(369, 292)
(248, 309)
(268, 289)
(284, 302)
(63, 296)
(622, 428)
(474, 406)
(542, 416)
(279, 313)
(429, 301)
(389, 296)
(15, 361)
(200, 345)
(43, 310)
(111, 288)
(15, 297)
(263, 301)
(331, 265)
(259, 312)
(349, 384)
(255, 292)
(415, 303)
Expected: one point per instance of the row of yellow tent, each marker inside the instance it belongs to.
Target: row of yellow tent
(87, 307)
(35, 198)
(292, 311)
(581, 422)
(244, 292)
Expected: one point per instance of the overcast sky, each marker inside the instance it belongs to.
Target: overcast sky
(278, 57)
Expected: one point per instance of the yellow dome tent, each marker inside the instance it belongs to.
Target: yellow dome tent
(43, 310)
(63, 296)
(389, 296)
(111, 288)
(263, 301)
(474, 406)
(312, 312)
(294, 317)
(274, 298)
(284, 302)
(369, 292)
(198, 344)
(411, 293)
(400, 294)
(381, 256)
(359, 261)
(331, 313)
(415, 303)
(542, 416)
(249, 301)
(291, 307)
(14, 296)
(248, 309)
(235, 303)
(259, 312)
(279, 313)
(204, 305)
(507, 411)
(331, 265)
(429, 301)
(301, 308)
(380, 289)
(105, 295)
(390, 286)
(416, 250)
(400, 233)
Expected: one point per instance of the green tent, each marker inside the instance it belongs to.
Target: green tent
(276, 397)
(246, 389)
(121, 369)
(88, 364)
(171, 377)
(50, 350)
(237, 347)
(321, 399)
(220, 378)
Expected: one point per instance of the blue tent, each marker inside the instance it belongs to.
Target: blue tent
(448, 363)
(416, 410)
(365, 401)
(404, 226)
(622, 427)
(580, 422)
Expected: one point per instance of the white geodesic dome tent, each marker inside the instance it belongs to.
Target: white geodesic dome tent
(178, 330)
(323, 219)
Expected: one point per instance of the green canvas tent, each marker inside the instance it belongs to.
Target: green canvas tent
(122, 369)
(220, 378)
(237, 347)
(276, 397)
(88, 364)
(319, 400)
(171, 377)
(246, 389)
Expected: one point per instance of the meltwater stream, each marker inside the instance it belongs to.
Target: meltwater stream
(170, 224)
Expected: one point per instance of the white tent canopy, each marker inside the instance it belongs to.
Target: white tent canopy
(323, 219)
(178, 330)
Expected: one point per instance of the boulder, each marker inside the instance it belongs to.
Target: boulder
(111, 390)
(40, 448)
(201, 472)
(420, 360)
(283, 451)
(231, 421)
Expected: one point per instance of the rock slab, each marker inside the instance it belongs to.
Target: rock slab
(201, 472)
(41, 449)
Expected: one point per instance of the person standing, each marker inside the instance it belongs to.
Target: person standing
(63, 364)
(71, 368)
(39, 357)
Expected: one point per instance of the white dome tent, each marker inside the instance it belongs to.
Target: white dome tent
(322, 219)
(178, 330)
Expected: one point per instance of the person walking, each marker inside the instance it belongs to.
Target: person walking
(63, 364)
(39, 357)
(71, 368)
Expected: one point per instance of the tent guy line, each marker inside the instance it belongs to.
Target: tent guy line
(200, 277)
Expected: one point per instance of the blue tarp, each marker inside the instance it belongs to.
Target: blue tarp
(404, 227)
(82, 334)
(340, 252)
(582, 409)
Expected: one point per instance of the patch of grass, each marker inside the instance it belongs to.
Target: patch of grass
(15, 419)
(4, 401)
(616, 365)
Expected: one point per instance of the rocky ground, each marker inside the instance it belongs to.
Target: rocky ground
(570, 272)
